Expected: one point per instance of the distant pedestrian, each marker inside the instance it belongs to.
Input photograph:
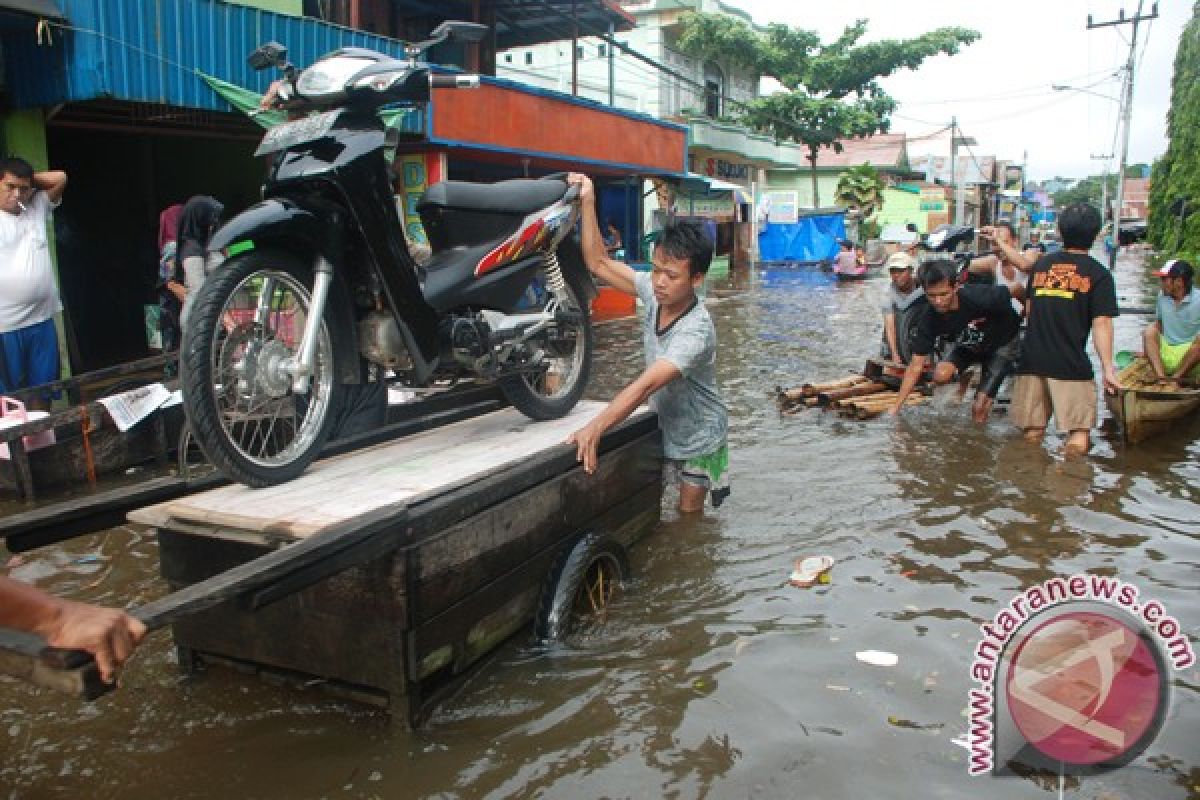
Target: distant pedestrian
(1069, 296)
(846, 262)
(170, 290)
(29, 296)
(200, 217)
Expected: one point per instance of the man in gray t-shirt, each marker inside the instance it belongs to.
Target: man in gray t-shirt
(902, 303)
(680, 343)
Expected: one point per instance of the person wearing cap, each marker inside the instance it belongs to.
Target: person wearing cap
(1173, 340)
(902, 304)
(1069, 297)
(978, 319)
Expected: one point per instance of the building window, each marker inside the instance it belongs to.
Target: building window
(714, 88)
(602, 50)
(579, 51)
(508, 58)
(529, 57)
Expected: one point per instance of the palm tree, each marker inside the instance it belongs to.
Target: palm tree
(860, 189)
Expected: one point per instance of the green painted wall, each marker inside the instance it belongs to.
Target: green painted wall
(901, 208)
(801, 182)
(294, 8)
(24, 135)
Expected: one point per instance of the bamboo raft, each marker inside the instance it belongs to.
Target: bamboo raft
(858, 396)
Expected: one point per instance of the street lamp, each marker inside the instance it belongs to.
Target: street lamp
(1058, 87)
(1123, 121)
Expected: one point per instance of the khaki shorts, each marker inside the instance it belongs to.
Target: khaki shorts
(1073, 403)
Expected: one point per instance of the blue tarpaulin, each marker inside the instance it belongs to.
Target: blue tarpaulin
(810, 239)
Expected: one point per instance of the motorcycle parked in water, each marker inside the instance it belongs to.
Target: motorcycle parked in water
(318, 277)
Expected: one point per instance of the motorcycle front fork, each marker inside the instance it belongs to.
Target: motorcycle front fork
(300, 367)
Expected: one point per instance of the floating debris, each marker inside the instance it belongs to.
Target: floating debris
(878, 658)
(810, 570)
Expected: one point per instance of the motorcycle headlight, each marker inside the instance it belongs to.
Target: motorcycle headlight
(329, 77)
(380, 81)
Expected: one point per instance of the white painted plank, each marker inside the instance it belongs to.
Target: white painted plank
(340, 488)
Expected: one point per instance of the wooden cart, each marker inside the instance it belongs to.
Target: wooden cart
(385, 574)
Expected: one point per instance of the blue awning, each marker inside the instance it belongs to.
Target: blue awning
(149, 52)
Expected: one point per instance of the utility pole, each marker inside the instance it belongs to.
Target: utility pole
(1104, 186)
(954, 166)
(1126, 113)
(958, 177)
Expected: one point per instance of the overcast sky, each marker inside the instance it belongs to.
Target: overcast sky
(999, 87)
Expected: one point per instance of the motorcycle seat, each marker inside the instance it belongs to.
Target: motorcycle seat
(519, 196)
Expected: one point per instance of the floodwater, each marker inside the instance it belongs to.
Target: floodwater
(713, 678)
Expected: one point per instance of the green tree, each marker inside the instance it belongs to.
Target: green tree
(1176, 176)
(1089, 190)
(833, 90)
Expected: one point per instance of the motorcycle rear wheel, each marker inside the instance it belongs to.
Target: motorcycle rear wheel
(568, 352)
(248, 317)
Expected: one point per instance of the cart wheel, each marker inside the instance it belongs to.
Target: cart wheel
(193, 463)
(582, 586)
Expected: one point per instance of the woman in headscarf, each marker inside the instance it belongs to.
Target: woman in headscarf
(170, 292)
(200, 218)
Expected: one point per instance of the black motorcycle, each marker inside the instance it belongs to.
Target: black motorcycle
(318, 278)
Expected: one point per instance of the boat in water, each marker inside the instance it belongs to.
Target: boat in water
(1144, 406)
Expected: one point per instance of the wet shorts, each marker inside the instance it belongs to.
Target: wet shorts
(1172, 356)
(1073, 403)
(997, 364)
(710, 472)
(28, 356)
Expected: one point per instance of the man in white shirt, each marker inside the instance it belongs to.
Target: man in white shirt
(28, 293)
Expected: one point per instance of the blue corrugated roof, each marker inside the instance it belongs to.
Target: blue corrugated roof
(148, 51)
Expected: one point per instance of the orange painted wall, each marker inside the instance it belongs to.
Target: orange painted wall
(500, 117)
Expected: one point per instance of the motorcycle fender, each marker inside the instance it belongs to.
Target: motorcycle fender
(281, 224)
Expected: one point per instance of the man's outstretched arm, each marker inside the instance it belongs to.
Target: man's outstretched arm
(616, 274)
(587, 438)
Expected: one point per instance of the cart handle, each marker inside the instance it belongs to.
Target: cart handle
(259, 582)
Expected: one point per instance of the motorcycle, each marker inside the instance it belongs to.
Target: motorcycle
(318, 280)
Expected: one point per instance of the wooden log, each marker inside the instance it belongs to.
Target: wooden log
(825, 398)
(873, 399)
(870, 412)
(813, 389)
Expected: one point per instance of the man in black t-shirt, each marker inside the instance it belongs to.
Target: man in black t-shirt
(1069, 296)
(978, 321)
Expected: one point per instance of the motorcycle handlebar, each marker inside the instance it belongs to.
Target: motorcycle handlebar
(454, 81)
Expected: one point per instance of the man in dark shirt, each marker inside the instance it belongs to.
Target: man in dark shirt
(1069, 296)
(980, 322)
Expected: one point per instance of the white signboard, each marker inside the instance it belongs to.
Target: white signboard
(783, 207)
(970, 170)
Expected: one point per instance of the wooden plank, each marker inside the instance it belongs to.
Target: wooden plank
(355, 622)
(336, 489)
(86, 514)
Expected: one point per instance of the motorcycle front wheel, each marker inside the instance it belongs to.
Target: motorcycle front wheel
(566, 351)
(244, 327)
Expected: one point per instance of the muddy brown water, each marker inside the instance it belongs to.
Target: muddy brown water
(713, 678)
